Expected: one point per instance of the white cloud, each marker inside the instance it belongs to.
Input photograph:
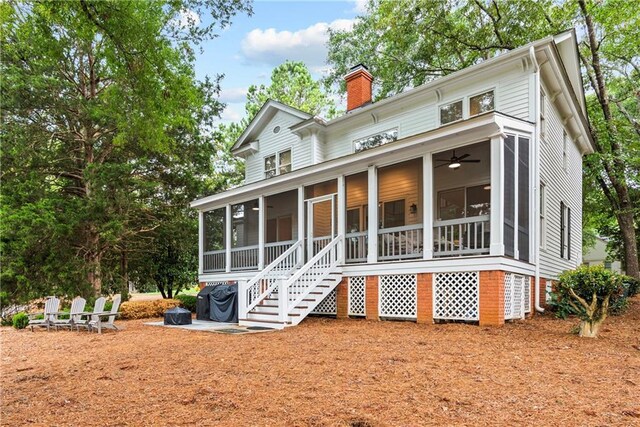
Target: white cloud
(273, 47)
(360, 6)
(234, 94)
(230, 115)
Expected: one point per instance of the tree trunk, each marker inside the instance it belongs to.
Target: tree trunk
(590, 329)
(94, 275)
(627, 228)
(614, 169)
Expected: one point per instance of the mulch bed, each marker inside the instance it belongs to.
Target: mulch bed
(326, 372)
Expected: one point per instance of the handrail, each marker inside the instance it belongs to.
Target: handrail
(457, 221)
(243, 248)
(263, 274)
(308, 266)
(401, 228)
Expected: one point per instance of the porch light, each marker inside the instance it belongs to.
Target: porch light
(487, 187)
(454, 165)
(255, 207)
(413, 208)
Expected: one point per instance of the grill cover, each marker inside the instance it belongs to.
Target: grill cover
(224, 304)
(177, 316)
(203, 305)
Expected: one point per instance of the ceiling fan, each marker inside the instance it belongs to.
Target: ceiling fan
(455, 161)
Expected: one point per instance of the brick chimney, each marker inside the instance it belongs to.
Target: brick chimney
(358, 87)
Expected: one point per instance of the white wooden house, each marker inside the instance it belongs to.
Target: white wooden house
(456, 200)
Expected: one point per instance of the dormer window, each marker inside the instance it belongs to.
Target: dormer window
(277, 164)
(481, 103)
(451, 112)
(284, 161)
(270, 166)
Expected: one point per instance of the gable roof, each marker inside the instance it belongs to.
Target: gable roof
(266, 113)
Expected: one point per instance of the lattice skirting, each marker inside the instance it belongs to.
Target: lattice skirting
(398, 296)
(357, 293)
(215, 283)
(515, 295)
(329, 305)
(456, 296)
(527, 294)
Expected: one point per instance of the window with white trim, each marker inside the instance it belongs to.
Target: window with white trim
(284, 162)
(451, 112)
(481, 103)
(277, 164)
(270, 166)
(565, 231)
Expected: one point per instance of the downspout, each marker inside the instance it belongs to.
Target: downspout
(536, 192)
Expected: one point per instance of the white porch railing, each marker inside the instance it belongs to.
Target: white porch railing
(319, 243)
(244, 258)
(265, 282)
(400, 242)
(356, 247)
(275, 249)
(214, 261)
(297, 287)
(462, 236)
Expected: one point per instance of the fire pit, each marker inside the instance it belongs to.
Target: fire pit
(177, 316)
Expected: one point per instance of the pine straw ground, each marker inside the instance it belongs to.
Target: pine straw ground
(326, 372)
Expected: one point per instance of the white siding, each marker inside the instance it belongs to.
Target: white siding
(271, 143)
(560, 186)
(512, 97)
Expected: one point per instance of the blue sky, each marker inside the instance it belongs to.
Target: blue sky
(248, 50)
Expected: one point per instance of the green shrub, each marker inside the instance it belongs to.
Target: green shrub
(560, 307)
(589, 290)
(20, 320)
(188, 301)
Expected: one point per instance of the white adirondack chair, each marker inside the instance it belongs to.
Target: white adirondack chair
(96, 321)
(77, 307)
(86, 317)
(50, 314)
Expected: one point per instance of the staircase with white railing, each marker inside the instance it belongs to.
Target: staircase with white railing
(282, 294)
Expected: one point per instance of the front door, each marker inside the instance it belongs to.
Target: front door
(321, 227)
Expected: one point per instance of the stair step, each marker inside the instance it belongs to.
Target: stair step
(276, 299)
(269, 313)
(265, 321)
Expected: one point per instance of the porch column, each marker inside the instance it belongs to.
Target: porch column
(427, 206)
(372, 232)
(342, 218)
(227, 238)
(301, 224)
(261, 233)
(497, 196)
(200, 242)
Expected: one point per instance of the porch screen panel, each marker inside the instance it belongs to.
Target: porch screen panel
(400, 232)
(357, 188)
(523, 198)
(244, 235)
(281, 224)
(509, 194)
(214, 226)
(213, 240)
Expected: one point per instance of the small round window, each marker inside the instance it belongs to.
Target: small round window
(276, 129)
